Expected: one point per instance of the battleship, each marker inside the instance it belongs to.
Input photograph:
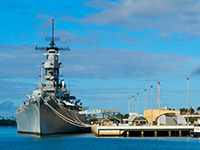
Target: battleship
(51, 109)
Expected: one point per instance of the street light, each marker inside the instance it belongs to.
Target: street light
(187, 101)
(145, 90)
(129, 105)
(159, 96)
(151, 105)
(135, 104)
(132, 102)
(138, 103)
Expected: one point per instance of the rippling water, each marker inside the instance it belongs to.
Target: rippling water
(10, 139)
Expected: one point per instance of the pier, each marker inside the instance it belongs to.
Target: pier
(142, 131)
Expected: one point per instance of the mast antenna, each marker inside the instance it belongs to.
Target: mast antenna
(52, 44)
(52, 41)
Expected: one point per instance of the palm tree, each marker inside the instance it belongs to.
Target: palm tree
(198, 108)
(191, 111)
(182, 110)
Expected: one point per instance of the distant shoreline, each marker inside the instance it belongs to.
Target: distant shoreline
(8, 122)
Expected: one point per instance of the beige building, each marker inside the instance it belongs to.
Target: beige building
(156, 113)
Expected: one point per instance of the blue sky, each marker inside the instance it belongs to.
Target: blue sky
(118, 49)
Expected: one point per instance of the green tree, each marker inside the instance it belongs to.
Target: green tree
(198, 108)
(191, 110)
(192, 119)
(182, 110)
(8, 122)
(125, 116)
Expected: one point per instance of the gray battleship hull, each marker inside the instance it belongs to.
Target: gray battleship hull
(39, 119)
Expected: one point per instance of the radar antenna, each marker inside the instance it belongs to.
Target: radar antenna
(52, 44)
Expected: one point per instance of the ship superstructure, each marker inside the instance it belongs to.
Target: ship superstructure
(50, 108)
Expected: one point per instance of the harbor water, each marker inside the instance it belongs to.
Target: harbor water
(10, 139)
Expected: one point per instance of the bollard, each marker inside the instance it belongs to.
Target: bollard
(169, 133)
(155, 133)
(142, 133)
(180, 133)
(127, 133)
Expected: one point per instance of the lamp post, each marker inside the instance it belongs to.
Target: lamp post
(138, 103)
(151, 105)
(145, 90)
(132, 102)
(159, 96)
(128, 105)
(135, 104)
(187, 101)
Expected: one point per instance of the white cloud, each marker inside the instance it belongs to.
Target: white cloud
(73, 38)
(6, 105)
(119, 63)
(7, 109)
(24, 61)
(196, 71)
(168, 16)
(19, 61)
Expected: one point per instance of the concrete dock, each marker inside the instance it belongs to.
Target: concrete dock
(142, 131)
